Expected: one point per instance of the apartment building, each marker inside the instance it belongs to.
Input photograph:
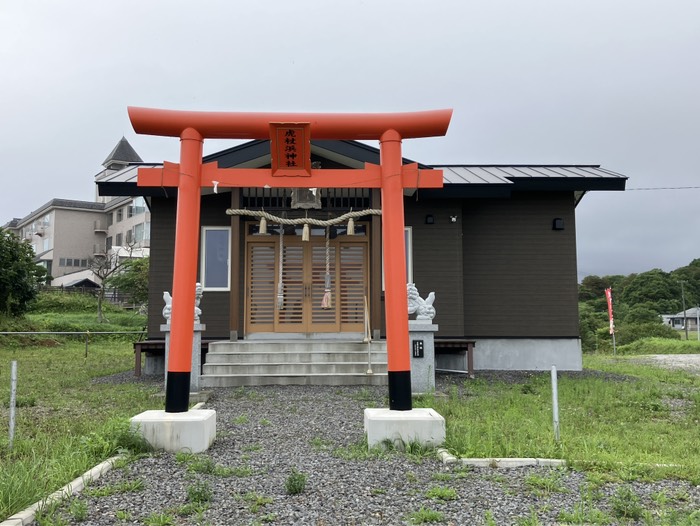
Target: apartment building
(67, 234)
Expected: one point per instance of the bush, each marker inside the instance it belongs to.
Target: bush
(660, 346)
(627, 333)
(55, 301)
(295, 483)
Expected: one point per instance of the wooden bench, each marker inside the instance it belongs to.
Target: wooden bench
(457, 346)
(158, 347)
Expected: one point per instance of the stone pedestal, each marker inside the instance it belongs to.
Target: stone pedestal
(196, 370)
(192, 431)
(421, 334)
(424, 426)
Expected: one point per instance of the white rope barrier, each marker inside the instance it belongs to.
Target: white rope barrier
(303, 220)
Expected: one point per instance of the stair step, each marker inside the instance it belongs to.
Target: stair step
(294, 362)
(235, 380)
(293, 357)
(292, 368)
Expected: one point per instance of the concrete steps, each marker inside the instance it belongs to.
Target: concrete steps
(312, 362)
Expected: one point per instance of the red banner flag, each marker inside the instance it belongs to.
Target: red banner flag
(608, 296)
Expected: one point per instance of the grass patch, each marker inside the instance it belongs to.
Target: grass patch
(256, 501)
(66, 423)
(660, 346)
(425, 516)
(205, 465)
(441, 493)
(127, 486)
(544, 485)
(616, 417)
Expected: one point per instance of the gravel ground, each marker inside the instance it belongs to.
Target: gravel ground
(263, 433)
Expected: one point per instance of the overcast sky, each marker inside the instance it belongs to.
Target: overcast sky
(615, 83)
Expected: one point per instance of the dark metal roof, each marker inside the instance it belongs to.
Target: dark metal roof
(508, 174)
(123, 153)
(461, 180)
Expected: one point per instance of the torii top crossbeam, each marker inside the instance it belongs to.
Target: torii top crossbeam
(290, 135)
(248, 125)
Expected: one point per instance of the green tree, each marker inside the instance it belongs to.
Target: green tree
(642, 313)
(132, 279)
(19, 274)
(656, 289)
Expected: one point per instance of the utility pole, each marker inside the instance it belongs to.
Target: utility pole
(685, 318)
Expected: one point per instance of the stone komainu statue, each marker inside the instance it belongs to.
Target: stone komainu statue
(423, 308)
(168, 299)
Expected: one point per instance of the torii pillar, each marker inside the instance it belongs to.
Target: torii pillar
(289, 170)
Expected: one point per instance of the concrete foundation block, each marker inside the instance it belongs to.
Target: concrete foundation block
(192, 431)
(423, 425)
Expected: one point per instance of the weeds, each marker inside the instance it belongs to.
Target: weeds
(426, 515)
(441, 493)
(78, 509)
(256, 501)
(159, 519)
(543, 485)
(199, 493)
(585, 513)
(626, 504)
(295, 483)
(126, 486)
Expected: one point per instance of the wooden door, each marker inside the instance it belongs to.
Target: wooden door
(300, 307)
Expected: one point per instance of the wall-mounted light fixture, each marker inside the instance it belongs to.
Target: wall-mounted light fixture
(429, 219)
(453, 219)
(557, 223)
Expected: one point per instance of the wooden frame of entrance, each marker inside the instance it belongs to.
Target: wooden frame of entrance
(190, 175)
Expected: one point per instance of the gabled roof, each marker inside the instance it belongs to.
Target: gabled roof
(123, 153)
(461, 180)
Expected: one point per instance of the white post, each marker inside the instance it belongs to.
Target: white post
(13, 401)
(697, 320)
(555, 403)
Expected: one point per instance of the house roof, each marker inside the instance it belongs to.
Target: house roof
(123, 153)
(60, 203)
(461, 180)
(689, 313)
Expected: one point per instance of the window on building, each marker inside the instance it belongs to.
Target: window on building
(129, 237)
(118, 240)
(69, 262)
(108, 243)
(84, 263)
(129, 211)
(139, 205)
(110, 219)
(215, 269)
(62, 262)
(120, 214)
(138, 233)
(147, 230)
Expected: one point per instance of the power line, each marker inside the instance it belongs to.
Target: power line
(664, 188)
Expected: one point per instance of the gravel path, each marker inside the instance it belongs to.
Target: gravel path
(266, 432)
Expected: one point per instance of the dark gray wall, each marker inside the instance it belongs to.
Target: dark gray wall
(500, 271)
(214, 305)
(519, 274)
(437, 259)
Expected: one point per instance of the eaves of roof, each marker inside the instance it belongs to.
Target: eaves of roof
(461, 180)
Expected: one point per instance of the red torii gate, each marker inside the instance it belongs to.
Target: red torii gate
(190, 175)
